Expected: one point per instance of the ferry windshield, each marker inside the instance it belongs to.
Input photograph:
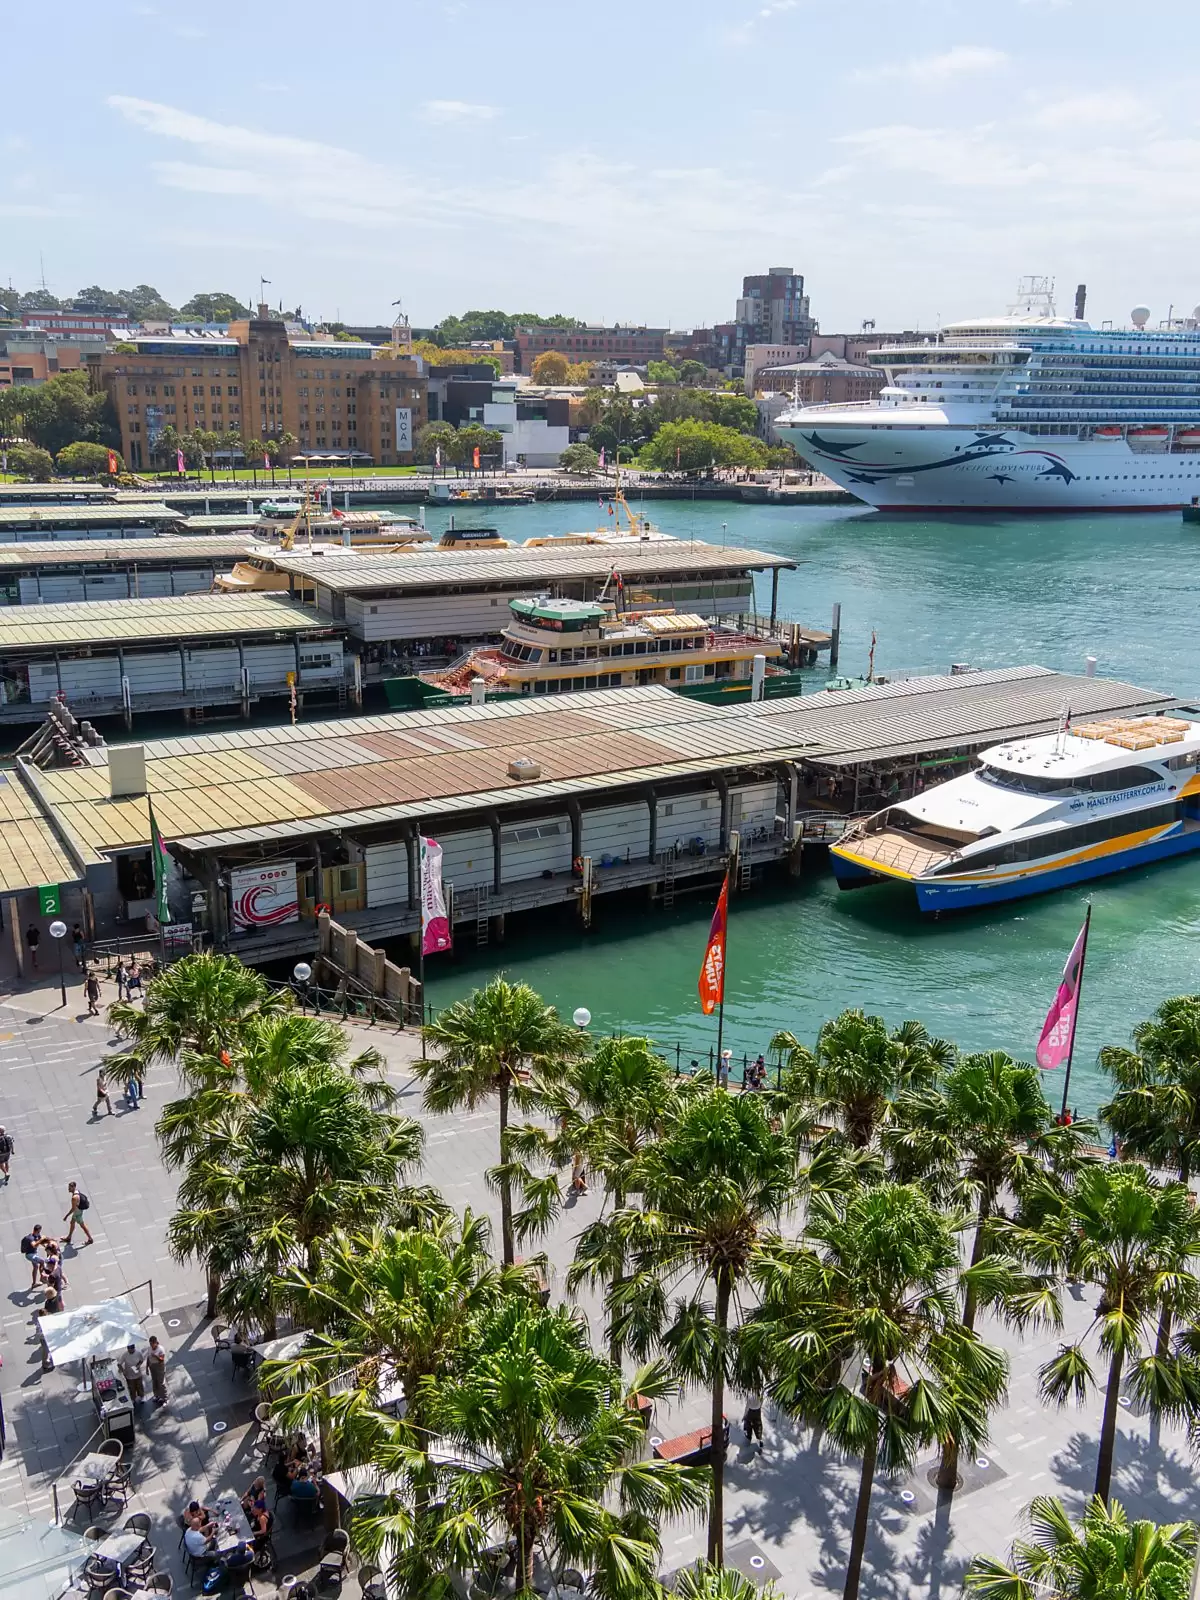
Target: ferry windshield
(1086, 783)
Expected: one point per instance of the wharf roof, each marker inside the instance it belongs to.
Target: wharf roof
(937, 713)
(271, 787)
(30, 851)
(67, 516)
(438, 568)
(176, 617)
(164, 551)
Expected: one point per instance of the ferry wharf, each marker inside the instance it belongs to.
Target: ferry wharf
(536, 804)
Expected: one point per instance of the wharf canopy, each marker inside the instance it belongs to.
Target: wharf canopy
(60, 570)
(267, 824)
(171, 653)
(123, 519)
(464, 595)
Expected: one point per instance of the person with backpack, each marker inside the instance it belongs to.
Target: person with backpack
(7, 1147)
(79, 1203)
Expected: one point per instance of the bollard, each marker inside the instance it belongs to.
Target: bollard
(835, 636)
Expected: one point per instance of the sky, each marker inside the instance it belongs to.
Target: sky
(619, 162)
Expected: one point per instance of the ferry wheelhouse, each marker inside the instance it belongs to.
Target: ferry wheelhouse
(1036, 815)
(559, 646)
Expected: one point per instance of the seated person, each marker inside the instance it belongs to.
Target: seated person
(260, 1524)
(241, 1353)
(239, 1560)
(304, 1487)
(198, 1516)
(197, 1541)
(281, 1477)
(255, 1498)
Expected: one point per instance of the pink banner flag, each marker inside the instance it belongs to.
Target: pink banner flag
(435, 925)
(602, 458)
(1058, 1031)
(179, 463)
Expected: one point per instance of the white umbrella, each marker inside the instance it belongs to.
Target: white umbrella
(100, 1330)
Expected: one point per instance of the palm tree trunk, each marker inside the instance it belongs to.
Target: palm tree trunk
(716, 1514)
(1108, 1428)
(618, 1277)
(506, 1216)
(947, 1475)
(214, 1289)
(861, 1514)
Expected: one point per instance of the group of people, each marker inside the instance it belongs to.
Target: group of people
(754, 1077)
(202, 1536)
(134, 1365)
(43, 1256)
(295, 1473)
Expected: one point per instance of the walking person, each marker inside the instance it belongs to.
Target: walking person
(31, 1246)
(133, 1088)
(752, 1421)
(79, 1203)
(101, 1094)
(77, 945)
(91, 988)
(119, 975)
(7, 1146)
(156, 1364)
(723, 1069)
(33, 938)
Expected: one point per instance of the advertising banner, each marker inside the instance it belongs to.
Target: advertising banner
(404, 433)
(263, 897)
(435, 925)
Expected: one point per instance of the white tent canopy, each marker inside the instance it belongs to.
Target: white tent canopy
(100, 1330)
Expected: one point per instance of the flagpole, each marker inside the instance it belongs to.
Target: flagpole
(421, 936)
(1087, 923)
(724, 971)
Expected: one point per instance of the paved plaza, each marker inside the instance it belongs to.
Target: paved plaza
(791, 1507)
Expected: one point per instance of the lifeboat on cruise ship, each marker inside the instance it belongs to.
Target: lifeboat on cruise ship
(1190, 436)
(1108, 433)
(1148, 433)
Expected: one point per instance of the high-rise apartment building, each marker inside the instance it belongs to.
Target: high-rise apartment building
(260, 379)
(774, 306)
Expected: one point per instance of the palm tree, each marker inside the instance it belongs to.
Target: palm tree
(1156, 1108)
(712, 1188)
(1137, 1242)
(287, 442)
(705, 1582)
(502, 1041)
(1106, 1555)
(979, 1132)
(254, 450)
(857, 1068)
(199, 1006)
(537, 1446)
(860, 1333)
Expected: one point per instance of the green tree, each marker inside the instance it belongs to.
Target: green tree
(1104, 1557)
(693, 446)
(857, 1069)
(40, 300)
(255, 449)
(542, 1453)
(83, 460)
(982, 1131)
(705, 1582)
(29, 461)
(859, 1331)
(434, 436)
(692, 372)
(487, 441)
(170, 442)
(137, 304)
(1155, 1110)
(504, 1043)
(66, 409)
(215, 307)
(283, 449)
(712, 1189)
(199, 1006)
(550, 368)
(661, 372)
(579, 458)
(1137, 1243)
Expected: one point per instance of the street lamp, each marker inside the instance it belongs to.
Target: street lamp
(302, 972)
(58, 932)
(581, 1017)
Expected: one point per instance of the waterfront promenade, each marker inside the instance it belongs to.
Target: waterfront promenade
(792, 1504)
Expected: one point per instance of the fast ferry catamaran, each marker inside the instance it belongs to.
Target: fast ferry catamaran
(1025, 412)
(1037, 815)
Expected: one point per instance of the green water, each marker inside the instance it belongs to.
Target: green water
(989, 591)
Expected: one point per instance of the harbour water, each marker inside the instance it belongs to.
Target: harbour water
(988, 591)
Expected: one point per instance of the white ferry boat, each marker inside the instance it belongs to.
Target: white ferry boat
(1038, 815)
(1025, 412)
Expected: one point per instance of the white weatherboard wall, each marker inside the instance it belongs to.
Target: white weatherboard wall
(622, 832)
(685, 817)
(53, 588)
(753, 805)
(216, 668)
(428, 616)
(531, 848)
(153, 672)
(467, 857)
(387, 874)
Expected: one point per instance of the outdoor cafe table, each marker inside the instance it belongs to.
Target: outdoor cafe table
(229, 1510)
(120, 1547)
(94, 1470)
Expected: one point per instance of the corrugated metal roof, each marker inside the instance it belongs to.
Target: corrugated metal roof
(268, 785)
(937, 713)
(192, 616)
(540, 564)
(102, 552)
(30, 854)
(68, 516)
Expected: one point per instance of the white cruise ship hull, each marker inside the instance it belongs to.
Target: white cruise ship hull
(902, 465)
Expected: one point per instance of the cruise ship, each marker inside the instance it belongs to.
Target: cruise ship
(1024, 412)
(1037, 814)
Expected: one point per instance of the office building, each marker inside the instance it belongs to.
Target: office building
(632, 347)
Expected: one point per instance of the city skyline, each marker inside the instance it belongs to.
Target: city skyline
(910, 162)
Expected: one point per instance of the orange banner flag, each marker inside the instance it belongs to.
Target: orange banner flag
(712, 972)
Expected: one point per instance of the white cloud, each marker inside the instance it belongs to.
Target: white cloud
(963, 60)
(457, 111)
(1116, 110)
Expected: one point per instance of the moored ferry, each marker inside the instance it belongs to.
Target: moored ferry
(1038, 814)
(559, 646)
(1025, 412)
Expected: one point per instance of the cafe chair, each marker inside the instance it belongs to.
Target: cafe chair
(335, 1553)
(95, 1535)
(142, 1565)
(139, 1522)
(219, 1332)
(111, 1447)
(370, 1581)
(160, 1583)
(88, 1495)
(100, 1574)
